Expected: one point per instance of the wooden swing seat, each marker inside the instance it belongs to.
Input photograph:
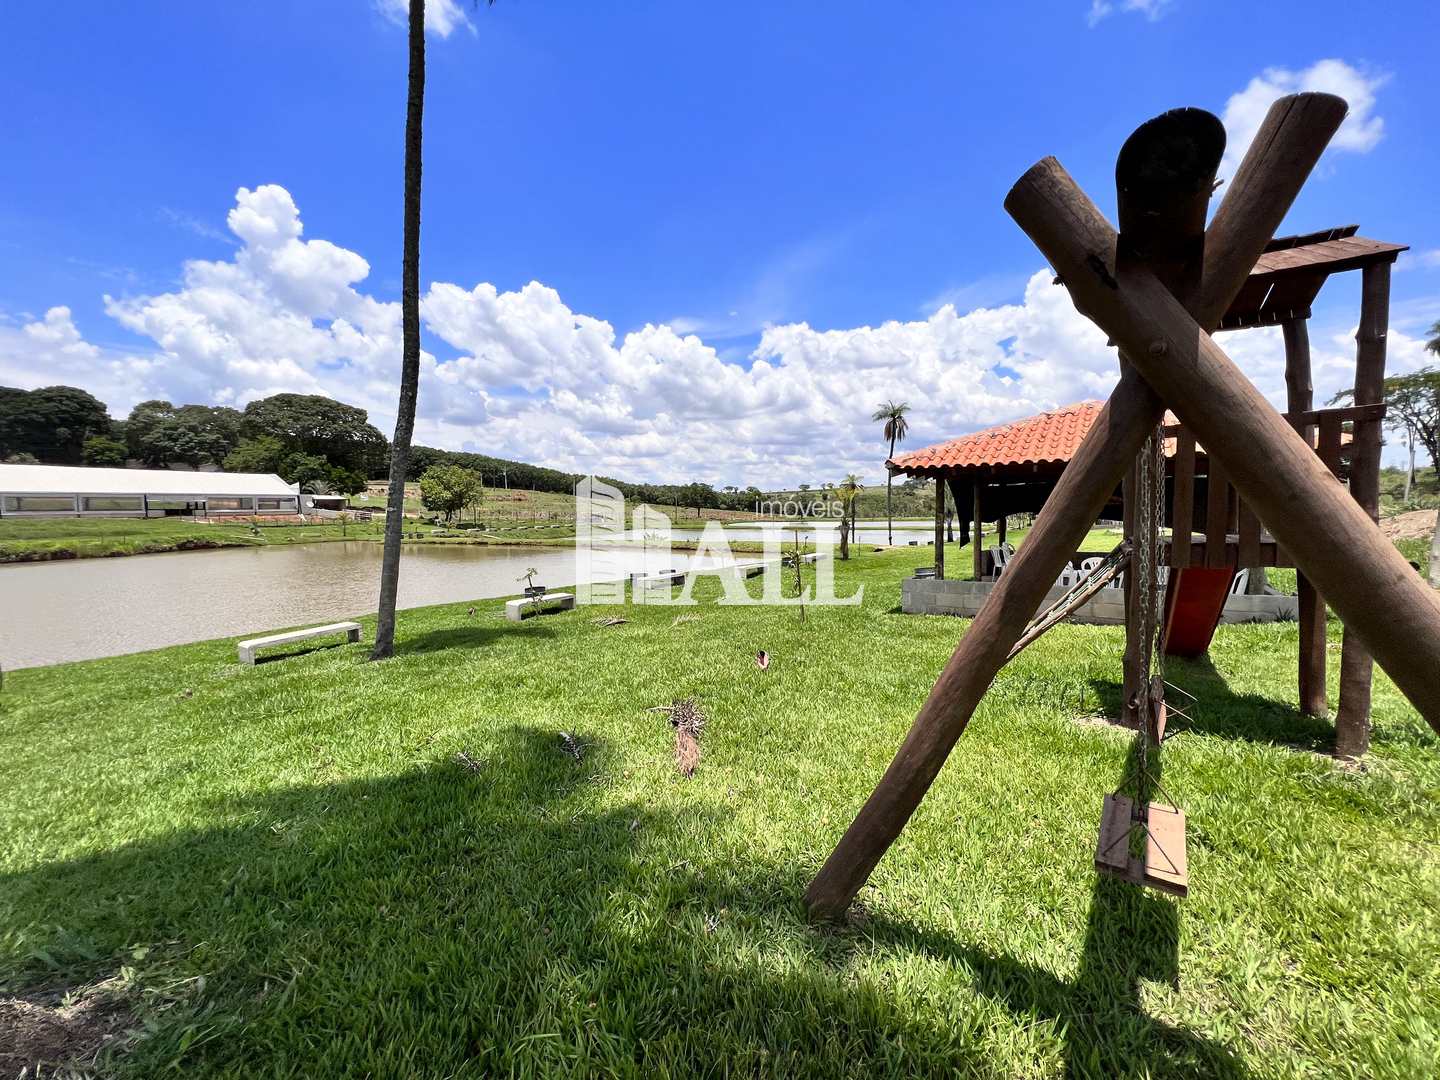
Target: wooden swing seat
(1164, 865)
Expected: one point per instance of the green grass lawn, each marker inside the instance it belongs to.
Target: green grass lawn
(286, 872)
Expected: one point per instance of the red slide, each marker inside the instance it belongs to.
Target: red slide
(1194, 599)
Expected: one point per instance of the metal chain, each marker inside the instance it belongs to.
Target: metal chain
(1149, 516)
(1156, 523)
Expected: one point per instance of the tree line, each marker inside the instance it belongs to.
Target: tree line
(502, 472)
(319, 443)
(307, 439)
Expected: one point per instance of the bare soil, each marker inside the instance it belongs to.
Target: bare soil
(1408, 526)
(61, 1032)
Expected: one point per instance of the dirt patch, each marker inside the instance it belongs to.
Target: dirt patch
(1416, 523)
(1103, 723)
(58, 1029)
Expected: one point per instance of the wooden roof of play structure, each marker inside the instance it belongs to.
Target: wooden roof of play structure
(1289, 273)
(1281, 286)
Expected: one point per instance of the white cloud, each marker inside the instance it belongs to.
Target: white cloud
(1245, 110)
(190, 223)
(442, 17)
(537, 381)
(1103, 9)
(51, 350)
(1420, 260)
(281, 315)
(1261, 355)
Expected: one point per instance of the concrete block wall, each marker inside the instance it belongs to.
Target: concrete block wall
(927, 596)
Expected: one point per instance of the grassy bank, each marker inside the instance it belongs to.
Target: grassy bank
(43, 539)
(286, 872)
(38, 539)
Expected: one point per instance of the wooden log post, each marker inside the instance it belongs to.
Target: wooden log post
(939, 528)
(977, 553)
(1352, 718)
(1299, 398)
(1290, 141)
(1182, 506)
(1362, 575)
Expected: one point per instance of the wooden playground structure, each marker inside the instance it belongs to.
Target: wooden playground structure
(1214, 534)
(1242, 486)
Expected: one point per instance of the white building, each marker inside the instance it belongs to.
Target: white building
(73, 491)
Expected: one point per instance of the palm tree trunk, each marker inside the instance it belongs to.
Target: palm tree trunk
(845, 533)
(889, 512)
(410, 340)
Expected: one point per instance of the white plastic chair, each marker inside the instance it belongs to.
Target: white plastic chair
(1242, 578)
(998, 558)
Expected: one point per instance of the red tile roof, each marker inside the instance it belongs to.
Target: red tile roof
(1049, 437)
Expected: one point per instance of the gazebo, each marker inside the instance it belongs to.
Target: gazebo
(993, 474)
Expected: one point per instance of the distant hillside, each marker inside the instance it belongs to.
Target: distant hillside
(498, 472)
(913, 498)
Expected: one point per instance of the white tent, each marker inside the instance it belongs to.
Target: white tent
(60, 490)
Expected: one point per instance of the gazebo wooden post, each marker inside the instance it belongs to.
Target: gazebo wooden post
(1290, 141)
(1299, 398)
(978, 551)
(939, 528)
(1352, 718)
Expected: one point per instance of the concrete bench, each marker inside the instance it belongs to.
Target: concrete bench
(515, 609)
(351, 630)
(751, 568)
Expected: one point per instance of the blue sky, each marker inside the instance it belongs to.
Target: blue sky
(703, 171)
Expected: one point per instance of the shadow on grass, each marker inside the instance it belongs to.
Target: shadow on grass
(493, 920)
(1218, 710)
(1131, 935)
(295, 651)
(469, 635)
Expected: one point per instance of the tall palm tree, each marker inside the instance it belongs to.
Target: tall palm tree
(848, 490)
(895, 430)
(410, 338)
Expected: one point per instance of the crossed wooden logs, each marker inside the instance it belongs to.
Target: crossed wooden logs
(1156, 290)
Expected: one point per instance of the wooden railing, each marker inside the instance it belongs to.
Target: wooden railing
(1233, 534)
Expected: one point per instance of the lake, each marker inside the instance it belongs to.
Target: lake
(79, 609)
